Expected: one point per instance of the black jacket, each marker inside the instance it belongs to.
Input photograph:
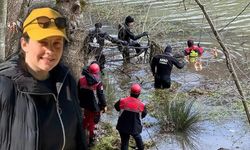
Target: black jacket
(125, 34)
(162, 64)
(90, 93)
(129, 120)
(32, 117)
(100, 36)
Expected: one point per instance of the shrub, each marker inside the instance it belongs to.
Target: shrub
(176, 115)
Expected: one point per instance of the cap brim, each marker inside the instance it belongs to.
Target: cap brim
(39, 34)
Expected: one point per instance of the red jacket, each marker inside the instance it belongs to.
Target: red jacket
(92, 96)
(131, 104)
(131, 111)
(195, 48)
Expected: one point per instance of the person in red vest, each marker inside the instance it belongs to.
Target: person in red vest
(129, 123)
(192, 47)
(92, 99)
(194, 53)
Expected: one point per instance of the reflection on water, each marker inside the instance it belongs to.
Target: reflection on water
(221, 12)
(229, 134)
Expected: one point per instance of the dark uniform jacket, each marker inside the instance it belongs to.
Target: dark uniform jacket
(162, 64)
(32, 117)
(100, 36)
(125, 34)
(131, 111)
(90, 93)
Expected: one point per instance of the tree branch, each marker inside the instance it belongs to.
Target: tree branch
(228, 60)
(235, 18)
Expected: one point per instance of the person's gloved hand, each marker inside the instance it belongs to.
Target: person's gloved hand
(125, 43)
(145, 33)
(179, 55)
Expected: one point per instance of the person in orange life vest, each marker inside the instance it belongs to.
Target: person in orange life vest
(92, 99)
(129, 123)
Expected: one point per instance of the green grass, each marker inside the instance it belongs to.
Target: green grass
(182, 115)
(108, 139)
(109, 91)
(176, 115)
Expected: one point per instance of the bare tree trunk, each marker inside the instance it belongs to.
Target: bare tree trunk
(73, 56)
(14, 10)
(3, 12)
(228, 60)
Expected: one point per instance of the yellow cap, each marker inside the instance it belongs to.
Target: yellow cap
(36, 32)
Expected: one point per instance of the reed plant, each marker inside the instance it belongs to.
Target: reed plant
(177, 115)
(109, 90)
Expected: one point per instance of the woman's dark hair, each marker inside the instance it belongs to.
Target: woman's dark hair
(26, 37)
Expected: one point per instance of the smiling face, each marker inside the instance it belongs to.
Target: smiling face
(42, 56)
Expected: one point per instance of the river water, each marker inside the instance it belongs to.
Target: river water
(230, 134)
(236, 35)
